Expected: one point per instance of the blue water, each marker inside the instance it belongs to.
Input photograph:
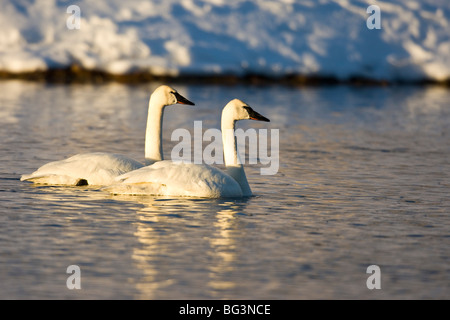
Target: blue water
(363, 179)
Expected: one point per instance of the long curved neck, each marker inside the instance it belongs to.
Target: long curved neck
(233, 162)
(153, 133)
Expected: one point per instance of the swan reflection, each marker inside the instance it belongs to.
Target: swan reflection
(223, 248)
(164, 246)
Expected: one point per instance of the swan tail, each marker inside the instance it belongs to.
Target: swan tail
(25, 177)
(53, 179)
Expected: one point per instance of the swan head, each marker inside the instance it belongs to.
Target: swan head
(239, 110)
(166, 96)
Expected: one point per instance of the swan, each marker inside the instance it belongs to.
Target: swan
(100, 168)
(168, 178)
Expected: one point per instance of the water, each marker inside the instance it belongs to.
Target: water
(363, 179)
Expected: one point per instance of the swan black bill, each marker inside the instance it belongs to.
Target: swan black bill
(183, 100)
(255, 115)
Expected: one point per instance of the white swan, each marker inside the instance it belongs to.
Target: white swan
(192, 180)
(101, 168)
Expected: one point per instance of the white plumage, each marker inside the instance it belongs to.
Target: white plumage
(82, 169)
(167, 178)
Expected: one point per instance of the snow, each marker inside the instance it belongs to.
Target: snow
(215, 37)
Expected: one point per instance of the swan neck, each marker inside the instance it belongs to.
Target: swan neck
(233, 162)
(153, 134)
(230, 151)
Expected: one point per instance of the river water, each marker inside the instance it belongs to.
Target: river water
(363, 179)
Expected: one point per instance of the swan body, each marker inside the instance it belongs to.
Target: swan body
(168, 178)
(178, 179)
(83, 169)
(101, 168)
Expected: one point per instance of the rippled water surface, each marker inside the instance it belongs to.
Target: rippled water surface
(363, 179)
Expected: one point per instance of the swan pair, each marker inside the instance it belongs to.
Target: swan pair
(123, 175)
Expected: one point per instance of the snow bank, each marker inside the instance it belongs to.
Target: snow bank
(270, 37)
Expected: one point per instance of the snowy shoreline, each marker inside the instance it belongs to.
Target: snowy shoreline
(330, 40)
